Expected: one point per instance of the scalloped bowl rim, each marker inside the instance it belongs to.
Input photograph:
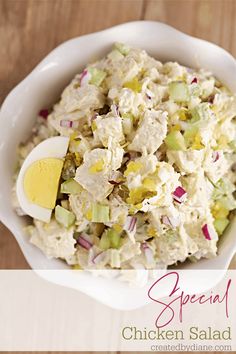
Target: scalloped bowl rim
(171, 45)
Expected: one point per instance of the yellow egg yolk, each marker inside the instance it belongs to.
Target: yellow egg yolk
(41, 182)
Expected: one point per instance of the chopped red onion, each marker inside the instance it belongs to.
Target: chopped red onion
(115, 110)
(44, 113)
(85, 77)
(65, 123)
(170, 221)
(81, 240)
(148, 252)
(94, 116)
(98, 258)
(130, 224)
(179, 195)
(165, 220)
(194, 81)
(215, 156)
(206, 232)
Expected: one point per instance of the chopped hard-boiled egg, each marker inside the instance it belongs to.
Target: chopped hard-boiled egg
(38, 180)
(38, 188)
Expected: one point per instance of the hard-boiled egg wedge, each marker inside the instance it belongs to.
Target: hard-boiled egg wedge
(38, 180)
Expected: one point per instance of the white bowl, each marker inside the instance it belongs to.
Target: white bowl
(43, 86)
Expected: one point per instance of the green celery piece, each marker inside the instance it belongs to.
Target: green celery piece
(189, 134)
(110, 239)
(228, 202)
(97, 76)
(115, 55)
(105, 243)
(200, 112)
(220, 225)
(100, 213)
(71, 187)
(175, 141)
(179, 91)
(64, 216)
(223, 187)
(123, 48)
(114, 237)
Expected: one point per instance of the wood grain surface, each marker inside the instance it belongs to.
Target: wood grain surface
(29, 29)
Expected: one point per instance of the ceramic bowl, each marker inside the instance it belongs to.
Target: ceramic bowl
(42, 87)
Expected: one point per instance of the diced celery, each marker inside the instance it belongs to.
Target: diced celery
(115, 55)
(64, 217)
(105, 243)
(123, 48)
(200, 112)
(220, 225)
(190, 133)
(114, 237)
(110, 239)
(97, 76)
(71, 187)
(100, 213)
(192, 138)
(228, 202)
(175, 141)
(223, 187)
(179, 91)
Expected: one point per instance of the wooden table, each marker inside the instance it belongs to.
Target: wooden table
(29, 29)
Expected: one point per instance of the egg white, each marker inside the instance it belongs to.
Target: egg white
(55, 147)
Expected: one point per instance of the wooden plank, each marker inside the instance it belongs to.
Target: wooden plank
(30, 29)
(11, 256)
(207, 19)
